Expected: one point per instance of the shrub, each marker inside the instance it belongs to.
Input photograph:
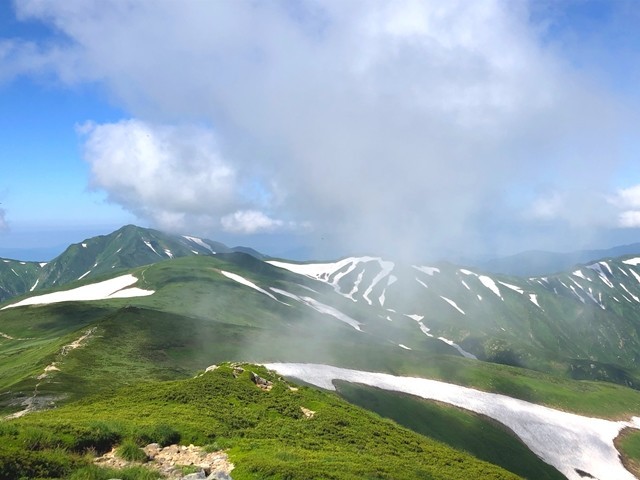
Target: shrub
(131, 452)
(161, 434)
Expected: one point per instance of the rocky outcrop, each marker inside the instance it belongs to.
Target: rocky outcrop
(173, 461)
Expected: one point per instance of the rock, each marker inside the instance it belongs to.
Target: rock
(307, 413)
(195, 476)
(261, 382)
(219, 476)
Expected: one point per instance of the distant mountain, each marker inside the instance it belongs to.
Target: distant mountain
(537, 262)
(128, 247)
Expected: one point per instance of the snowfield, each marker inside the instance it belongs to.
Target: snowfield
(564, 440)
(112, 288)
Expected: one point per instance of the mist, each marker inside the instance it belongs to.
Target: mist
(412, 128)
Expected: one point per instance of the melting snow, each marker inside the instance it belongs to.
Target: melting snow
(632, 261)
(84, 245)
(113, 288)
(84, 275)
(199, 241)
(453, 304)
(243, 281)
(578, 273)
(486, 281)
(423, 327)
(597, 267)
(34, 285)
(490, 284)
(428, 270)
(534, 299)
(422, 283)
(356, 286)
(387, 268)
(465, 285)
(637, 277)
(403, 346)
(564, 440)
(168, 252)
(42, 264)
(322, 308)
(512, 287)
(148, 244)
(634, 297)
(462, 352)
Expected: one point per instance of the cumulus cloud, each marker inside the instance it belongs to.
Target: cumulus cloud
(249, 221)
(627, 201)
(407, 124)
(172, 175)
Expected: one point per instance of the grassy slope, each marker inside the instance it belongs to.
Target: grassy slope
(199, 317)
(480, 436)
(266, 432)
(628, 444)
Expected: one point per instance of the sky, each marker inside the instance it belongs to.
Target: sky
(322, 128)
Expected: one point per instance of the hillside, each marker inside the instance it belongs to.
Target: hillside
(127, 247)
(527, 338)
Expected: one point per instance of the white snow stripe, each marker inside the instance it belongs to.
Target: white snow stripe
(564, 440)
(112, 288)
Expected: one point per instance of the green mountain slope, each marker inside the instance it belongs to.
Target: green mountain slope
(584, 324)
(234, 307)
(267, 433)
(128, 247)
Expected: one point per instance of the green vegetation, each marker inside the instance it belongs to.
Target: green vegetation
(265, 431)
(480, 436)
(628, 444)
(130, 451)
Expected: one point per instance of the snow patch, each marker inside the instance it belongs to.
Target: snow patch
(322, 308)
(632, 261)
(386, 269)
(462, 352)
(84, 275)
(453, 304)
(632, 295)
(564, 440)
(579, 274)
(243, 281)
(512, 287)
(148, 244)
(200, 242)
(490, 284)
(428, 270)
(403, 346)
(534, 299)
(112, 288)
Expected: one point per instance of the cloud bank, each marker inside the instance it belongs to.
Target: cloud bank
(407, 126)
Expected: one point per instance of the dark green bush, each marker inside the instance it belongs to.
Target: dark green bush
(129, 450)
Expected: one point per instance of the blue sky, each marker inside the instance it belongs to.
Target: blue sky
(322, 128)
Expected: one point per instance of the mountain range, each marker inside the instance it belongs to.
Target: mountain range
(139, 305)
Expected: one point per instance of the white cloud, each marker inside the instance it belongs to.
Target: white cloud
(400, 123)
(629, 219)
(174, 176)
(250, 221)
(627, 198)
(4, 225)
